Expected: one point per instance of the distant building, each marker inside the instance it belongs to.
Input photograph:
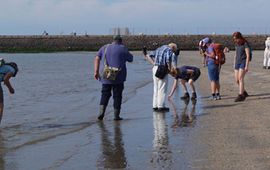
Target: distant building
(45, 33)
(120, 31)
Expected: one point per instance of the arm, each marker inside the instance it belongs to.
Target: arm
(226, 50)
(247, 50)
(174, 86)
(129, 57)
(211, 54)
(149, 59)
(96, 68)
(7, 82)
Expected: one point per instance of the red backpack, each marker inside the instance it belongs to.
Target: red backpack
(219, 53)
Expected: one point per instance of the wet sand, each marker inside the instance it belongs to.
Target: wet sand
(202, 135)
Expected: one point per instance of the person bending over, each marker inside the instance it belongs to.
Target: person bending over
(186, 74)
(7, 71)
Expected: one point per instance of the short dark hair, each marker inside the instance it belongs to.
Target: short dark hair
(117, 38)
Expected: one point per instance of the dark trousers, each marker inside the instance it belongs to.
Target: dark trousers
(106, 93)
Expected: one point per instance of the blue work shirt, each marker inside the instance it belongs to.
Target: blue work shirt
(4, 69)
(163, 55)
(116, 55)
(184, 72)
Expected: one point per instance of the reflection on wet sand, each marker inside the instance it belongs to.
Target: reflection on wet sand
(113, 152)
(2, 152)
(162, 155)
(186, 117)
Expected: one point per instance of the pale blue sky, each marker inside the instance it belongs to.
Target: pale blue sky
(28, 17)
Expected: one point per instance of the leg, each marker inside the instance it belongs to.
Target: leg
(105, 97)
(191, 83)
(236, 77)
(265, 59)
(162, 91)
(242, 95)
(213, 87)
(155, 89)
(213, 76)
(184, 87)
(117, 100)
(268, 58)
(1, 103)
(241, 81)
(194, 95)
(183, 84)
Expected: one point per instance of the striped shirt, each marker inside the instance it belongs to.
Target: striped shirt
(163, 55)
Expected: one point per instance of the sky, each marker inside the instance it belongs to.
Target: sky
(99, 17)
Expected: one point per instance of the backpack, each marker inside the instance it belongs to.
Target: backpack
(219, 53)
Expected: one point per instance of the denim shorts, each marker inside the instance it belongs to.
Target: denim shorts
(1, 94)
(240, 66)
(213, 71)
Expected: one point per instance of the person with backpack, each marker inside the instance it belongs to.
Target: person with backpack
(266, 60)
(241, 63)
(7, 71)
(213, 68)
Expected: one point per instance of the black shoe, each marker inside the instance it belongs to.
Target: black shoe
(102, 109)
(194, 96)
(245, 94)
(264, 67)
(240, 98)
(118, 118)
(155, 109)
(163, 109)
(100, 117)
(218, 97)
(186, 96)
(117, 114)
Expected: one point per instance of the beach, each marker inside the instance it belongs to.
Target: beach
(51, 120)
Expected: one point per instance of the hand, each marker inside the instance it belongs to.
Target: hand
(169, 97)
(246, 69)
(177, 52)
(11, 90)
(144, 50)
(97, 76)
(226, 50)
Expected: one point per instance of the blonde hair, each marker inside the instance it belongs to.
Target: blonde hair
(174, 72)
(173, 45)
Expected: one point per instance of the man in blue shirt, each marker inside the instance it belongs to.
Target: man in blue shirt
(115, 55)
(165, 55)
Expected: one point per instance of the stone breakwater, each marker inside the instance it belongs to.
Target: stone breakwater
(93, 43)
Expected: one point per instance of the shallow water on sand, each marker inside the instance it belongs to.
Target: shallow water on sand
(50, 121)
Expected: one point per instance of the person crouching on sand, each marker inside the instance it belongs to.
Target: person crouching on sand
(7, 71)
(186, 74)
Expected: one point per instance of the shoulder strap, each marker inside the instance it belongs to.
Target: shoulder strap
(104, 55)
